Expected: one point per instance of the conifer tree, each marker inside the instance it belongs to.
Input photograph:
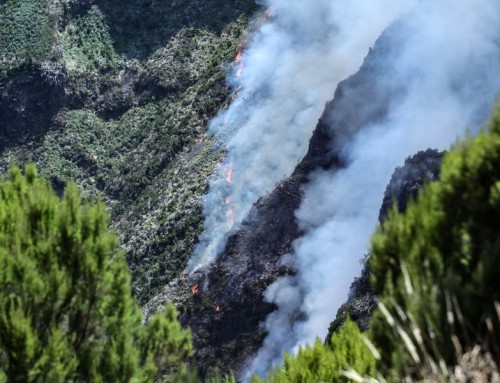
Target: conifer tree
(66, 309)
(347, 352)
(436, 268)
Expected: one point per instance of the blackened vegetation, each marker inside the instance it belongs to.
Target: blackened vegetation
(235, 283)
(408, 179)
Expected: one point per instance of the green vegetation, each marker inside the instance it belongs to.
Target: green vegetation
(66, 309)
(87, 44)
(438, 263)
(318, 363)
(27, 31)
(128, 88)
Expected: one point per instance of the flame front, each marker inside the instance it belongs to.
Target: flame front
(229, 175)
(195, 288)
(239, 61)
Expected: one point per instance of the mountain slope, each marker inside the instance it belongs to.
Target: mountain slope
(121, 110)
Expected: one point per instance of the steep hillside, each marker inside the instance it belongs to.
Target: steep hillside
(117, 95)
(228, 307)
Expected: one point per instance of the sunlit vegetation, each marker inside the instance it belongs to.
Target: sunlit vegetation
(67, 313)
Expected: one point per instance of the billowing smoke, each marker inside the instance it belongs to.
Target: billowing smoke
(288, 71)
(443, 58)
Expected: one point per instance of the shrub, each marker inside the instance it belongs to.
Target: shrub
(437, 267)
(66, 309)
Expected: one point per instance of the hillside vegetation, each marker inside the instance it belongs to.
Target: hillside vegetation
(117, 95)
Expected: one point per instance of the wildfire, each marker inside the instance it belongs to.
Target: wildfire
(195, 288)
(239, 60)
(217, 309)
(240, 70)
(269, 14)
(229, 175)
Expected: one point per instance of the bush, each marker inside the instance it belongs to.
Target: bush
(66, 309)
(322, 363)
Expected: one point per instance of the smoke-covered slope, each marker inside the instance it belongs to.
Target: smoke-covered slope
(377, 118)
(406, 181)
(235, 283)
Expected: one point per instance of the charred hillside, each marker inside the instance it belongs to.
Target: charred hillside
(227, 308)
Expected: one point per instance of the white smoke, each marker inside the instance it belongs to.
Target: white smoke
(445, 55)
(290, 69)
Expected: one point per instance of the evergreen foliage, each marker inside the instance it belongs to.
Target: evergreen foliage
(26, 31)
(437, 267)
(66, 309)
(87, 44)
(325, 363)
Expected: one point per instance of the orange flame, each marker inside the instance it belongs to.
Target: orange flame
(240, 70)
(217, 309)
(229, 175)
(195, 288)
(269, 14)
(230, 217)
(239, 58)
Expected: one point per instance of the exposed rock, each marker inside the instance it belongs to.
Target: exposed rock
(408, 179)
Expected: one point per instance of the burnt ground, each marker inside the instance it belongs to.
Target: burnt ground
(235, 283)
(226, 312)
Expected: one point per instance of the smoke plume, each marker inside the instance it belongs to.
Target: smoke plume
(443, 58)
(288, 70)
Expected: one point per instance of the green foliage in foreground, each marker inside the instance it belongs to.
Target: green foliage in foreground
(66, 309)
(318, 363)
(436, 272)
